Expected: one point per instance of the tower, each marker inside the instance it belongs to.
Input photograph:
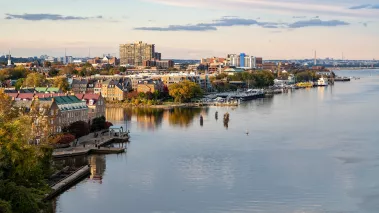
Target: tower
(315, 62)
(9, 59)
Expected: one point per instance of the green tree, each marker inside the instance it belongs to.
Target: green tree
(19, 83)
(19, 72)
(35, 80)
(61, 83)
(184, 91)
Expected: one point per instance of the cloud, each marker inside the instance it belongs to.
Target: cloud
(178, 28)
(303, 7)
(317, 23)
(47, 16)
(230, 22)
(364, 6)
(299, 17)
(212, 26)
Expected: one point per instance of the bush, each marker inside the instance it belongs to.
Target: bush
(79, 129)
(5, 207)
(62, 139)
(66, 139)
(107, 125)
(21, 198)
(98, 124)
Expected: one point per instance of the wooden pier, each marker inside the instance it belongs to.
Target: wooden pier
(68, 182)
(87, 151)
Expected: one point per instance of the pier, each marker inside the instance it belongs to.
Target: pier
(73, 152)
(68, 182)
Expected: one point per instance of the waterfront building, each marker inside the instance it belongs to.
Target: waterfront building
(116, 89)
(135, 53)
(150, 85)
(173, 78)
(79, 85)
(96, 104)
(71, 109)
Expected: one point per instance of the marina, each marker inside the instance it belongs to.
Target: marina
(274, 154)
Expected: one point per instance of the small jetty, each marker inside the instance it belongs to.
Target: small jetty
(73, 152)
(68, 182)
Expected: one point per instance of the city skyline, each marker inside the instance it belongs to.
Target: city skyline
(193, 29)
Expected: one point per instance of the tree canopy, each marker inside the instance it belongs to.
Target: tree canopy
(185, 91)
(79, 129)
(23, 167)
(61, 83)
(35, 80)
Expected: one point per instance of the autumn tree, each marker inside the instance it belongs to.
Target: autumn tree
(34, 80)
(61, 83)
(24, 168)
(79, 129)
(184, 91)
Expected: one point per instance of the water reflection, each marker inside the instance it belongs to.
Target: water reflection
(183, 117)
(117, 114)
(97, 163)
(147, 118)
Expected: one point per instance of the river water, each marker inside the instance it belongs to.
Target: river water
(311, 150)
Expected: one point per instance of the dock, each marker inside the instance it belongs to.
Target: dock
(68, 182)
(86, 151)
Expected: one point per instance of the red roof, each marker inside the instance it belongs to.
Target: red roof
(28, 96)
(88, 96)
(12, 95)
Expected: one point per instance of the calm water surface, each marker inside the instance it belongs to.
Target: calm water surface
(314, 150)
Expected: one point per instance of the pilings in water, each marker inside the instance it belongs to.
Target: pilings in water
(201, 120)
(216, 115)
(226, 120)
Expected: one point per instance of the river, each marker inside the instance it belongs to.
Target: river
(311, 150)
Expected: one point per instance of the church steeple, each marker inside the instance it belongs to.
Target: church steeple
(9, 59)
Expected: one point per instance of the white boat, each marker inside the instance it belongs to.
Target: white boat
(322, 82)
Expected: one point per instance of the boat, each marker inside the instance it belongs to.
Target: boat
(322, 82)
(247, 95)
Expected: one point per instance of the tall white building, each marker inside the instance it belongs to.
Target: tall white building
(235, 60)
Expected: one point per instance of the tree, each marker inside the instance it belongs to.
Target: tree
(184, 91)
(4, 74)
(53, 72)
(46, 64)
(67, 70)
(18, 72)
(98, 124)
(61, 83)
(79, 129)
(62, 139)
(34, 80)
(19, 83)
(23, 167)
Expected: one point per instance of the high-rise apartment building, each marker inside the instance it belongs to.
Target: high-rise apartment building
(242, 60)
(136, 53)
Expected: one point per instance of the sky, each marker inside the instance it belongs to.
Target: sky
(193, 29)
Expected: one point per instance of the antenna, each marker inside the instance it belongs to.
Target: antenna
(89, 52)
